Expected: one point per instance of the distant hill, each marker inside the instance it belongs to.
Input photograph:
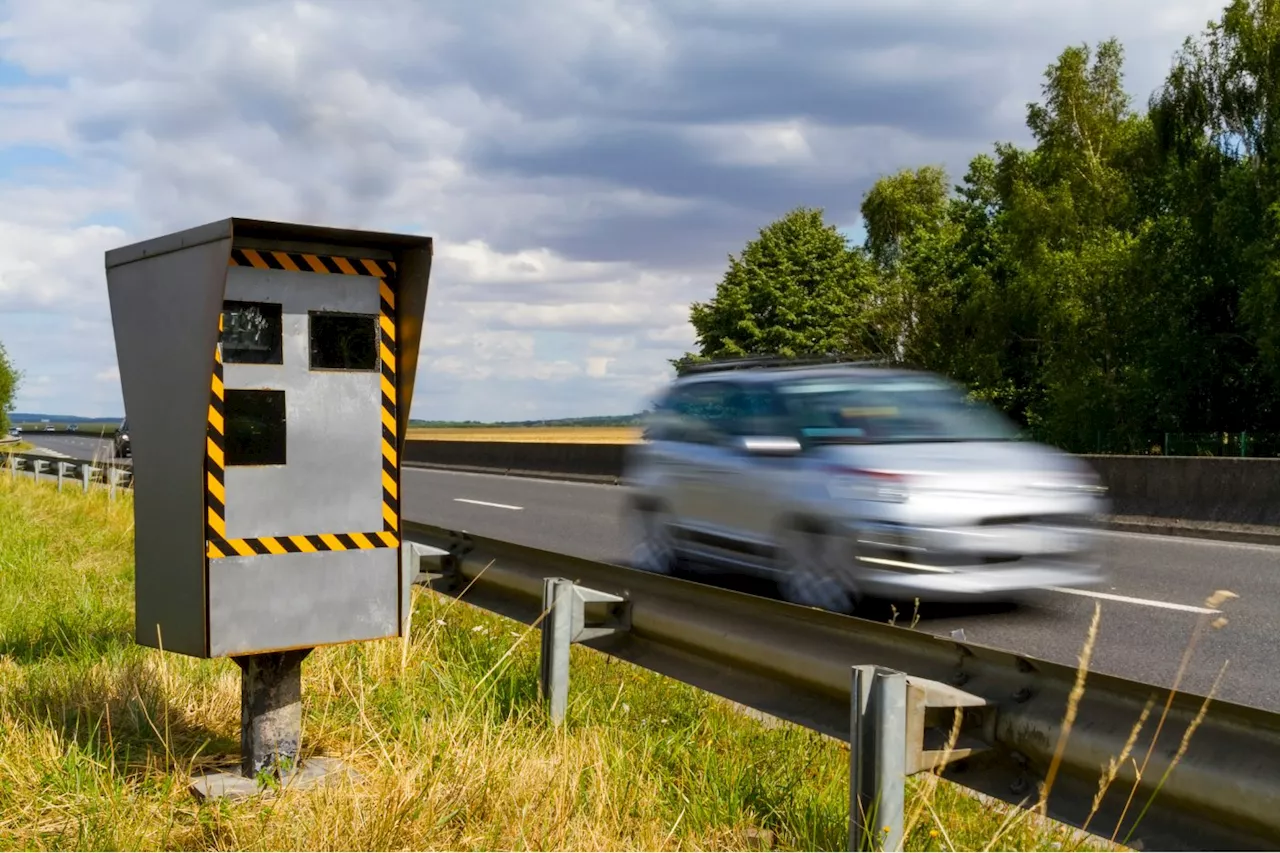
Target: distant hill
(596, 421)
(29, 417)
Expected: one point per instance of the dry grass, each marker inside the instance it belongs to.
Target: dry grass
(551, 435)
(100, 736)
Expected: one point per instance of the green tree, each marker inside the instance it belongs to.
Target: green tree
(798, 288)
(1218, 116)
(910, 239)
(9, 378)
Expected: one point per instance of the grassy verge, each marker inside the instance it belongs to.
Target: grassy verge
(100, 736)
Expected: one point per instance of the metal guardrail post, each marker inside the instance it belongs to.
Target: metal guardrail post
(85, 471)
(13, 466)
(37, 468)
(556, 629)
(877, 758)
(411, 557)
(564, 623)
(62, 466)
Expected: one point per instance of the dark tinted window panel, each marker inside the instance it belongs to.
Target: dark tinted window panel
(251, 333)
(344, 341)
(255, 427)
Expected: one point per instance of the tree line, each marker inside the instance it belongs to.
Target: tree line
(1121, 275)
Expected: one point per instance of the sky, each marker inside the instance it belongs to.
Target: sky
(585, 166)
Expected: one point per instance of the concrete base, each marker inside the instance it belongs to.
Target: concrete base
(234, 787)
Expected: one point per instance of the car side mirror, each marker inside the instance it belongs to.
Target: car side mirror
(768, 445)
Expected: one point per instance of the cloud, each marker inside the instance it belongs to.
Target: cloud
(585, 165)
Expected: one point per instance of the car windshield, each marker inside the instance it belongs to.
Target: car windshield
(878, 410)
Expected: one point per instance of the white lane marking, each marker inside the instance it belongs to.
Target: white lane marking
(544, 481)
(1124, 599)
(1173, 540)
(486, 503)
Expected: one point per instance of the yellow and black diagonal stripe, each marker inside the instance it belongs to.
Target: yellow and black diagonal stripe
(218, 545)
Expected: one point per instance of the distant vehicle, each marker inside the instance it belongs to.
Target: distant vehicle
(73, 427)
(15, 430)
(847, 480)
(49, 428)
(120, 444)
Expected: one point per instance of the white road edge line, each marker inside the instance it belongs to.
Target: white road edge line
(486, 503)
(1124, 599)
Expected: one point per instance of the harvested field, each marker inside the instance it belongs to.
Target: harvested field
(549, 435)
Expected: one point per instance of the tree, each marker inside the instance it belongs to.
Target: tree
(909, 241)
(798, 288)
(8, 389)
(1219, 120)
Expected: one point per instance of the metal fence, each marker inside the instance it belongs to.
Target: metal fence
(1265, 445)
(63, 471)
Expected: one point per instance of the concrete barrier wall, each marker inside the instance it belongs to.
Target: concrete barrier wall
(1224, 490)
(1206, 489)
(587, 461)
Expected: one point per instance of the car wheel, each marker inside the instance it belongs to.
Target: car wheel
(652, 543)
(813, 571)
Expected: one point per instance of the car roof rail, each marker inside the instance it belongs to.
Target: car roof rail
(780, 361)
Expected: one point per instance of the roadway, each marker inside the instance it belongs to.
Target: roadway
(1150, 608)
(72, 445)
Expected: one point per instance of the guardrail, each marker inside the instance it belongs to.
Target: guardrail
(86, 471)
(1210, 781)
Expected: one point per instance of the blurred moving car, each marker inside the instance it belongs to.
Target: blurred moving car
(849, 479)
(120, 444)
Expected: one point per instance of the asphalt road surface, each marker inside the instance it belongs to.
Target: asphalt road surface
(73, 446)
(1150, 609)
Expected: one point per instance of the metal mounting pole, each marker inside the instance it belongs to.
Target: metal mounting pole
(61, 470)
(270, 712)
(270, 733)
(85, 470)
(877, 758)
(565, 623)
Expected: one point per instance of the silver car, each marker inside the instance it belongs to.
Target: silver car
(849, 480)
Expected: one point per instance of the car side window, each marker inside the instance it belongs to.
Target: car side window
(756, 411)
(699, 413)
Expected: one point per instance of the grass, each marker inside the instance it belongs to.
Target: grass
(100, 736)
(555, 435)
